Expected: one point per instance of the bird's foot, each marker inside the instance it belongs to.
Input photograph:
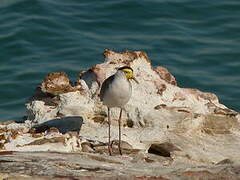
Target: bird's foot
(110, 149)
(120, 151)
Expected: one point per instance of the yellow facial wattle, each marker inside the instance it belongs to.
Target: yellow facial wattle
(128, 71)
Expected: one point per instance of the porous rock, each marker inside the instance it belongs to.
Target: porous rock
(163, 125)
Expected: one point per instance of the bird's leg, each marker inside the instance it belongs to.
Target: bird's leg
(119, 131)
(109, 134)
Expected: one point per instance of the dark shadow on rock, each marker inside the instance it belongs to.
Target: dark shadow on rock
(47, 98)
(66, 124)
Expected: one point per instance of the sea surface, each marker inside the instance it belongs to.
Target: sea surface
(198, 41)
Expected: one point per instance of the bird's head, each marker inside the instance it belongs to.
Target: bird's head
(128, 71)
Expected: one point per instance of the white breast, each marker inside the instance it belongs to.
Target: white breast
(119, 92)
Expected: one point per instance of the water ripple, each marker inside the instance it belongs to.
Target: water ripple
(197, 41)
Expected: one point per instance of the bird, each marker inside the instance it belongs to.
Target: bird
(116, 91)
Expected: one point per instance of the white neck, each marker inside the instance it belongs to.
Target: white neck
(120, 74)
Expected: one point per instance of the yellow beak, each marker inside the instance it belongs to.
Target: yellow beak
(133, 78)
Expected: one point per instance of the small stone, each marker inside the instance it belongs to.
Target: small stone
(163, 149)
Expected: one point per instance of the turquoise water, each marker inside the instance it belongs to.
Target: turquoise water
(198, 41)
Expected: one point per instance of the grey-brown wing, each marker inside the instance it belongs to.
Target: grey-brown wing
(105, 86)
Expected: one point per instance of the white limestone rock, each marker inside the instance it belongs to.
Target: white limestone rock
(186, 124)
